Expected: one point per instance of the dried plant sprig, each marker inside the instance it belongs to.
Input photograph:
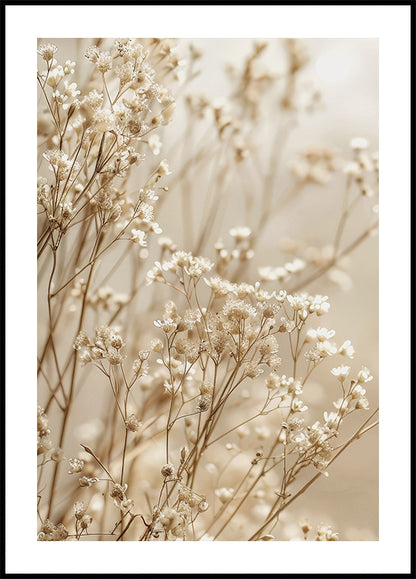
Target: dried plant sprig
(204, 404)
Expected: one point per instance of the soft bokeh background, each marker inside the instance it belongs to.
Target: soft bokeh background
(346, 73)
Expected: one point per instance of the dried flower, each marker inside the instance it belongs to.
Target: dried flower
(341, 372)
(132, 423)
(47, 51)
(167, 470)
(76, 465)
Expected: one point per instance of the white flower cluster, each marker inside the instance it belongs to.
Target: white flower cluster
(306, 304)
(106, 345)
(364, 167)
(282, 273)
(179, 263)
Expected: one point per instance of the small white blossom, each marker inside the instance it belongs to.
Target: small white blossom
(359, 144)
(364, 375)
(347, 349)
(224, 494)
(298, 405)
(55, 76)
(47, 51)
(320, 334)
(76, 465)
(240, 233)
(155, 144)
(138, 236)
(341, 372)
(163, 169)
(357, 392)
(326, 348)
(332, 419)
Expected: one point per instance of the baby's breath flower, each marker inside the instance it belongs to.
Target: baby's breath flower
(273, 381)
(79, 509)
(252, 370)
(138, 236)
(269, 273)
(198, 266)
(298, 405)
(102, 59)
(225, 494)
(341, 372)
(332, 419)
(114, 356)
(353, 169)
(59, 162)
(262, 432)
(71, 90)
(202, 507)
(125, 72)
(94, 99)
(168, 112)
(166, 325)
(76, 465)
(85, 357)
(132, 423)
(187, 496)
(47, 51)
(321, 350)
(295, 266)
(116, 341)
(319, 304)
(118, 493)
(325, 533)
(167, 470)
(55, 76)
(104, 120)
(359, 144)
(85, 521)
(270, 310)
(357, 391)
(163, 169)
(347, 349)
(364, 375)
(123, 46)
(85, 481)
(51, 532)
(156, 345)
(268, 346)
(42, 422)
(155, 144)
(362, 404)
(140, 366)
(171, 520)
(298, 302)
(240, 233)
(321, 334)
(206, 388)
(204, 403)
(281, 296)
(148, 195)
(69, 67)
(92, 53)
(220, 286)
